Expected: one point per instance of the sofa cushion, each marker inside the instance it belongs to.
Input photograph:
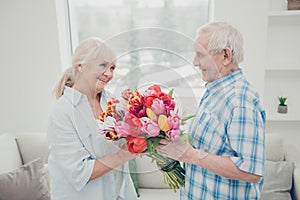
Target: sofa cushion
(278, 180)
(296, 184)
(9, 153)
(32, 146)
(26, 182)
(274, 147)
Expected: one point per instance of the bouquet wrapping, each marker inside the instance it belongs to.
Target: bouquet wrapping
(143, 122)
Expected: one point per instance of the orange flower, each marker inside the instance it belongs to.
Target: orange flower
(111, 106)
(112, 102)
(149, 100)
(103, 115)
(136, 99)
(110, 109)
(110, 134)
(156, 88)
(136, 144)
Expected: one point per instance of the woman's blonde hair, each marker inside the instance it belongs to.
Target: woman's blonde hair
(88, 50)
(67, 79)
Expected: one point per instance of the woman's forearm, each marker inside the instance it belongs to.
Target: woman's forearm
(109, 162)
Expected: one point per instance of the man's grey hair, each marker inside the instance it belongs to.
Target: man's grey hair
(222, 35)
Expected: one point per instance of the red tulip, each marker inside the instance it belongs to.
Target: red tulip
(136, 144)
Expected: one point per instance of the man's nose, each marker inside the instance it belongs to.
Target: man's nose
(196, 61)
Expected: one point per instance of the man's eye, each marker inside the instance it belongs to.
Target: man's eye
(113, 68)
(103, 65)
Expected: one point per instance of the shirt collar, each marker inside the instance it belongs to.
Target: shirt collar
(224, 81)
(73, 95)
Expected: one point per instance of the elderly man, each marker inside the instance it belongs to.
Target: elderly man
(226, 157)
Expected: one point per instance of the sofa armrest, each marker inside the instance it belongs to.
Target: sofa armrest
(296, 184)
(10, 158)
(32, 146)
(47, 175)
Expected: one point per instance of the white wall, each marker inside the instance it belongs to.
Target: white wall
(30, 63)
(250, 18)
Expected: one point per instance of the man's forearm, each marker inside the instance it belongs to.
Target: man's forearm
(221, 165)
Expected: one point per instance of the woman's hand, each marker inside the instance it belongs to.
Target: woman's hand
(124, 153)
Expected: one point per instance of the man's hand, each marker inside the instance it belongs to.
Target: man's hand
(178, 150)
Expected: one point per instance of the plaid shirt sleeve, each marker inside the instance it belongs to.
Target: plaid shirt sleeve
(246, 137)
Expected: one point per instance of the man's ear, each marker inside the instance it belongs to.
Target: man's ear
(79, 67)
(227, 56)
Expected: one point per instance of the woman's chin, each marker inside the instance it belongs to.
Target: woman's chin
(99, 88)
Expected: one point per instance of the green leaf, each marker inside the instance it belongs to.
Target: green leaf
(282, 100)
(149, 145)
(171, 92)
(152, 143)
(156, 142)
(187, 117)
(184, 119)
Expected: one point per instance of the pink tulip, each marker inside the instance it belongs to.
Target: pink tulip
(130, 126)
(151, 128)
(122, 129)
(174, 121)
(158, 107)
(173, 134)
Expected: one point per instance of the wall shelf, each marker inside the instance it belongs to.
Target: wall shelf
(282, 82)
(278, 13)
(281, 68)
(290, 116)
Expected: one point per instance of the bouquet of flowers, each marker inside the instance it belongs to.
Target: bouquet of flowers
(143, 122)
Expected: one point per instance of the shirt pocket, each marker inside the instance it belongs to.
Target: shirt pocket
(209, 133)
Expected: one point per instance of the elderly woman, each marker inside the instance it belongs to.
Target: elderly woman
(82, 164)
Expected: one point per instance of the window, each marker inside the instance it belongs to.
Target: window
(153, 41)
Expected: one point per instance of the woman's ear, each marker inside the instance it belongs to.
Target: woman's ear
(227, 56)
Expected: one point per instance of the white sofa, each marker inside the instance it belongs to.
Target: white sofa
(16, 150)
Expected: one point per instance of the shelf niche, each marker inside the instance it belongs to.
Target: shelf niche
(282, 83)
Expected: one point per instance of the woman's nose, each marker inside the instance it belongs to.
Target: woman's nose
(107, 71)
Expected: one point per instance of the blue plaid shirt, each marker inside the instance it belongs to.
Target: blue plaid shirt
(229, 122)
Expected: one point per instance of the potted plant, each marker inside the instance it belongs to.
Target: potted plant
(282, 107)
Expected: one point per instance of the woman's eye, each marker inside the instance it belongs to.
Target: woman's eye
(113, 68)
(103, 65)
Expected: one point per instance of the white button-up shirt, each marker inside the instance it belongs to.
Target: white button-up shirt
(74, 145)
